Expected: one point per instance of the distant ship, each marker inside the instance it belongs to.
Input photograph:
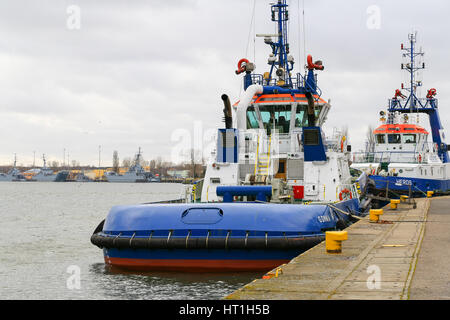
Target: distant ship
(77, 176)
(403, 159)
(62, 176)
(81, 177)
(154, 178)
(13, 175)
(135, 174)
(44, 173)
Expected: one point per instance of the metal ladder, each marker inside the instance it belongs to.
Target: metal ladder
(262, 162)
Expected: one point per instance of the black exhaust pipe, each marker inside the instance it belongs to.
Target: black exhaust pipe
(310, 109)
(228, 117)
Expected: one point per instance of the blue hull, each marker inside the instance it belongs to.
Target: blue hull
(214, 236)
(404, 185)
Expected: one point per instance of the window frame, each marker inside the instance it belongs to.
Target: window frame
(394, 134)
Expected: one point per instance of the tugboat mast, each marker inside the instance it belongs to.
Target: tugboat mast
(285, 64)
(412, 68)
(429, 105)
(281, 62)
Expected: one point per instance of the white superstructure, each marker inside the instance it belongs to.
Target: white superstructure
(270, 132)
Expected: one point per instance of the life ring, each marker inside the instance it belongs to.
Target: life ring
(241, 68)
(344, 191)
(342, 143)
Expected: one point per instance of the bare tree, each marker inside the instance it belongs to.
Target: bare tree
(126, 162)
(195, 157)
(152, 165)
(115, 161)
(75, 164)
(158, 163)
(370, 139)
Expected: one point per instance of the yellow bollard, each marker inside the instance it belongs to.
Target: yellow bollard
(333, 241)
(394, 203)
(430, 194)
(374, 214)
(403, 198)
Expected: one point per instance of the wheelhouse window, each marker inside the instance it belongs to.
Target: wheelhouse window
(381, 138)
(276, 117)
(252, 119)
(301, 115)
(311, 137)
(409, 138)
(393, 138)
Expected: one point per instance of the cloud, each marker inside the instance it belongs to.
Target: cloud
(135, 72)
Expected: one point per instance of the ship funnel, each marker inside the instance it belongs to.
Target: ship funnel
(228, 117)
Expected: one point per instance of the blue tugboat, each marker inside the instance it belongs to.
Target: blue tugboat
(274, 186)
(403, 160)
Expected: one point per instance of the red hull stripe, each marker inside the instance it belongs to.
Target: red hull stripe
(194, 264)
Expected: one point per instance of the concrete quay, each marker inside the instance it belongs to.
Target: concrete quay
(403, 256)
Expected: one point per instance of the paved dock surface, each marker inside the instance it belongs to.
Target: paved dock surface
(431, 279)
(394, 259)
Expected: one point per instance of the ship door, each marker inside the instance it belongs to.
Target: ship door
(281, 173)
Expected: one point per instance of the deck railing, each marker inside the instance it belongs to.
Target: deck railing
(389, 156)
(297, 82)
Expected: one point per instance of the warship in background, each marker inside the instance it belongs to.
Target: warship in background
(44, 173)
(14, 174)
(134, 174)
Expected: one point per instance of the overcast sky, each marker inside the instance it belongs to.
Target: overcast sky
(150, 74)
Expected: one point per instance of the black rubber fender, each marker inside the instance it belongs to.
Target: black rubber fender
(105, 241)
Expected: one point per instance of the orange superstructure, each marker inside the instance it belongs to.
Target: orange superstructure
(400, 128)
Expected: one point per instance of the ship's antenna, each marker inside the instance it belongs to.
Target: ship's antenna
(252, 23)
(301, 31)
(403, 104)
(298, 29)
(280, 61)
(254, 30)
(412, 68)
(304, 35)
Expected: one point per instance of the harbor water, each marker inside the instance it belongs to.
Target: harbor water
(46, 251)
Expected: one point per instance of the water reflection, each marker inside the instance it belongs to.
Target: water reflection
(117, 283)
